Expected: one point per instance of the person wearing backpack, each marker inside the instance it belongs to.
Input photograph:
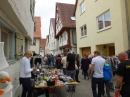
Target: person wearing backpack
(107, 75)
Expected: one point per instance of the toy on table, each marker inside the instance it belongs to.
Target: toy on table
(4, 82)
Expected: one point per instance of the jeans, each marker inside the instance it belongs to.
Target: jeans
(64, 71)
(76, 76)
(85, 73)
(71, 73)
(95, 82)
(106, 83)
(27, 87)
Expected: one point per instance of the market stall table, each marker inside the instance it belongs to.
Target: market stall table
(48, 88)
(51, 78)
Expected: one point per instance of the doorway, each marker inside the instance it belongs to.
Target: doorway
(86, 50)
(111, 50)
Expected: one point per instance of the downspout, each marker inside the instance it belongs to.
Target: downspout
(127, 20)
(15, 46)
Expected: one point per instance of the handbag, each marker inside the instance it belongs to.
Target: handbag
(76, 67)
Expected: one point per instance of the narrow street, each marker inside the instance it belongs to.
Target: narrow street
(82, 90)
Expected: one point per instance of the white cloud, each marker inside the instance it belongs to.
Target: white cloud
(46, 10)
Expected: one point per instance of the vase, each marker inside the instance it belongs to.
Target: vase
(3, 62)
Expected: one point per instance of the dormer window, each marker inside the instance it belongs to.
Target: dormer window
(73, 18)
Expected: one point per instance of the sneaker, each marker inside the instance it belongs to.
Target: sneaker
(68, 90)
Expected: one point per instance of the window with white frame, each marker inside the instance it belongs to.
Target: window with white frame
(4, 38)
(104, 21)
(34, 42)
(82, 7)
(64, 37)
(83, 30)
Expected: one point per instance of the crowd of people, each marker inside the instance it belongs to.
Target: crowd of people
(100, 70)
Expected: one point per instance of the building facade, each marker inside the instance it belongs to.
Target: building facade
(47, 51)
(53, 42)
(127, 5)
(101, 25)
(35, 46)
(42, 47)
(65, 30)
(16, 31)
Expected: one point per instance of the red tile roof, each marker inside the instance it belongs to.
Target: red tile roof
(66, 12)
(37, 33)
(43, 43)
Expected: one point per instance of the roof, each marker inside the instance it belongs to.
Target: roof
(37, 33)
(53, 22)
(75, 7)
(66, 12)
(43, 43)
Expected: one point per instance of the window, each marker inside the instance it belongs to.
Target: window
(34, 42)
(82, 7)
(104, 21)
(4, 38)
(73, 18)
(83, 30)
(64, 37)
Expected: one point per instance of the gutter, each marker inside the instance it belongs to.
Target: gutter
(127, 20)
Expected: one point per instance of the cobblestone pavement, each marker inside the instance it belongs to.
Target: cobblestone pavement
(82, 90)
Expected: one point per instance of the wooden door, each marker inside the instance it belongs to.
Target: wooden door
(86, 50)
(111, 50)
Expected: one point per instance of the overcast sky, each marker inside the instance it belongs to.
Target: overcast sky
(46, 10)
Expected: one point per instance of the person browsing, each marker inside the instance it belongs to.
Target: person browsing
(25, 74)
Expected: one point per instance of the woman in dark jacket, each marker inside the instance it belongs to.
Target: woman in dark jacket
(85, 65)
(77, 71)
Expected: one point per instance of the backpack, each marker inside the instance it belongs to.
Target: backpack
(107, 72)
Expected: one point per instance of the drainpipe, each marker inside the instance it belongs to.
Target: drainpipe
(15, 46)
(127, 20)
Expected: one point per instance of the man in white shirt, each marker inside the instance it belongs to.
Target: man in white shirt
(25, 74)
(97, 77)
